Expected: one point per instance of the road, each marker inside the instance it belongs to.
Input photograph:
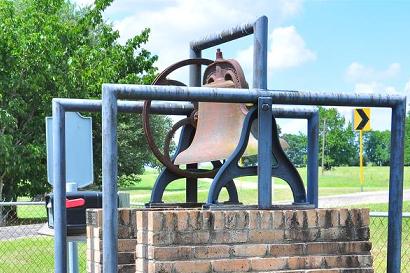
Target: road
(23, 231)
(358, 198)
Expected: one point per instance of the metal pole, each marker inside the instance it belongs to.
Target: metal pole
(59, 194)
(323, 145)
(109, 179)
(260, 53)
(361, 175)
(194, 70)
(191, 194)
(72, 246)
(234, 95)
(264, 153)
(222, 37)
(313, 160)
(396, 187)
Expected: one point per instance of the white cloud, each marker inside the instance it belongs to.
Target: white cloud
(175, 23)
(375, 87)
(357, 72)
(286, 49)
(407, 87)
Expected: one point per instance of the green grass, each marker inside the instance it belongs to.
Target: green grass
(33, 255)
(30, 212)
(340, 180)
(383, 207)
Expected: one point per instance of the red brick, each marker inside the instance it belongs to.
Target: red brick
(170, 253)
(195, 221)
(125, 245)
(266, 219)
(253, 219)
(219, 221)
(291, 249)
(231, 265)
(250, 250)
(192, 266)
(229, 236)
(278, 219)
(265, 236)
(211, 252)
(230, 219)
(295, 263)
(155, 220)
(330, 248)
(160, 267)
(264, 264)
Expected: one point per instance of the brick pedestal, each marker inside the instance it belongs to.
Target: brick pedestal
(194, 240)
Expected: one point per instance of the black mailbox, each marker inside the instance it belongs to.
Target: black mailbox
(76, 204)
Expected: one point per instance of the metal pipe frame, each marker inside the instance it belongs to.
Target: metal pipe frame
(113, 92)
(61, 106)
(260, 67)
(260, 75)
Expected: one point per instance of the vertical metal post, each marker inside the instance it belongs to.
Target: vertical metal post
(59, 194)
(260, 53)
(313, 160)
(260, 78)
(264, 152)
(361, 175)
(194, 80)
(72, 246)
(396, 187)
(194, 70)
(109, 179)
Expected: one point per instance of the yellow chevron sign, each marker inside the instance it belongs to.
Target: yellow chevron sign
(361, 119)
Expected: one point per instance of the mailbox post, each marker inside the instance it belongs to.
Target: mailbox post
(79, 166)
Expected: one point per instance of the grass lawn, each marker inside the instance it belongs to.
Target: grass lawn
(33, 255)
(340, 180)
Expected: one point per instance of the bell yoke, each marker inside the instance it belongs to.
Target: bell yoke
(220, 133)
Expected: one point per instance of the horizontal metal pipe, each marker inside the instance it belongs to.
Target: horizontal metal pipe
(222, 37)
(22, 203)
(157, 107)
(298, 113)
(178, 93)
(166, 108)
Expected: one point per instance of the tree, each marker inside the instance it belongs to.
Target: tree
(51, 48)
(297, 151)
(407, 141)
(377, 147)
(340, 146)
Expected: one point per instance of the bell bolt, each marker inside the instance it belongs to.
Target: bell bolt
(265, 107)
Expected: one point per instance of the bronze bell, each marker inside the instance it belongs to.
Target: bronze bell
(219, 125)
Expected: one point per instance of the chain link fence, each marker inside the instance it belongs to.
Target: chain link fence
(24, 248)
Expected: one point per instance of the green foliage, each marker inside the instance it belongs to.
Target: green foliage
(126, 181)
(340, 146)
(377, 147)
(297, 151)
(51, 48)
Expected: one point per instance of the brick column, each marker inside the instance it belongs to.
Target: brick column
(194, 240)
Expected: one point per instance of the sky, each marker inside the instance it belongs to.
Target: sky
(326, 46)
